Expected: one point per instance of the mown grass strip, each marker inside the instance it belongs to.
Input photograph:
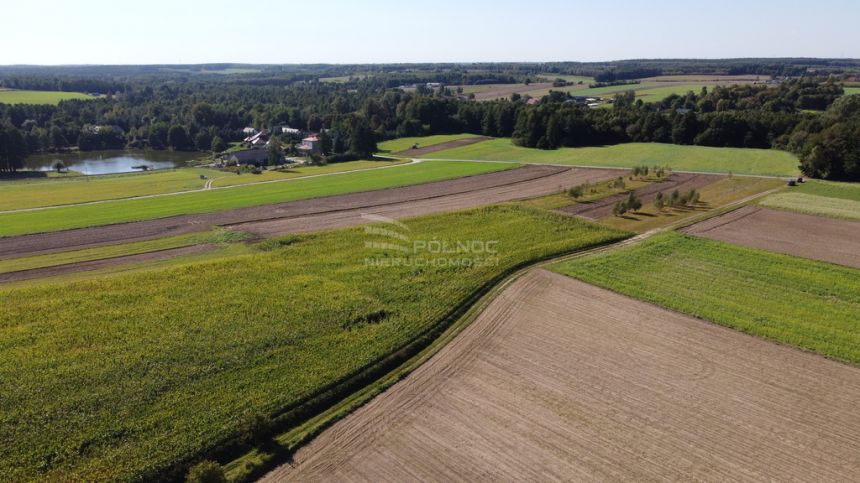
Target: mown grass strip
(137, 376)
(814, 205)
(769, 162)
(240, 197)
(803, 303)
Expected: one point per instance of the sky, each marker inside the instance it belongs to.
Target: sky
(381, 31)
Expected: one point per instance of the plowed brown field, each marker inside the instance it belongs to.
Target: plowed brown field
(808, 236)
(560, 380)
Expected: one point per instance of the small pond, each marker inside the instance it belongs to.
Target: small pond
(109, 162)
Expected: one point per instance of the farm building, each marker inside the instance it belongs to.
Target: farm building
(248, 156)
(249, 131)
(310, 145)
(257, 140)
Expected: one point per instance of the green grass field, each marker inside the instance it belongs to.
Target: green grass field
(129, 377)
(680, 158)
(55, 219)
(850, 91)
(38, 192)
(229, 179)
(798, 302)
(657, 94)
(38, 97)
(814, 205)
(402, 144)
(830, 189)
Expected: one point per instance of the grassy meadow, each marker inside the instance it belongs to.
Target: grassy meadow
(814, 205)
(230, 179)
(830, 189)
(134, 376)
(680, 158)
(402, 144)
(208, 201)
(38, 97)
(798, 302)
(850, 91)
(39, 192)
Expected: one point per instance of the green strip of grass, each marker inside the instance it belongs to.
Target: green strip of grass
(34, 193)
(239, 197)
(135, 376)
(814, 205)
(680, 158)
(831, 189)
(230, 179)
(39, 97)
(402, 144)
(798, 302)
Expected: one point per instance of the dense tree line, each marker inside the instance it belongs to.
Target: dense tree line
(187, 112)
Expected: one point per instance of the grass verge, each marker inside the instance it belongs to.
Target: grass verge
(803, 303)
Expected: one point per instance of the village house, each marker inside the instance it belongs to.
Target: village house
(247, 156)
(249, 131)
(310, 145)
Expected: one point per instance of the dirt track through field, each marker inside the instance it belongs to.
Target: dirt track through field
(482, 189)
(676, 181)
(423, 151)
(808, 236)
(559, 380)
(91, 265)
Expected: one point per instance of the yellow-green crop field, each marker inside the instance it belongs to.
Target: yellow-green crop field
(136, 376)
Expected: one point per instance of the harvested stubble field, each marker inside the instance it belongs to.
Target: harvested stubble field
(794, 301)
(131, 377)
(558, 380)
(808, 236)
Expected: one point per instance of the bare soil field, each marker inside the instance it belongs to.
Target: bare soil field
(506, 90)
(103, 263)
(676, 181)
(417, 207)
(513, 184)
(808, 236)
(558, 380)
(442, 146)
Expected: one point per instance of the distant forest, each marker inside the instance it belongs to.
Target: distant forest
(203, 107)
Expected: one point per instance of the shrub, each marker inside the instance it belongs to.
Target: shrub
(658, 201)
(632, 203)
(206, 472)
(255, 428)
(576, 192)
